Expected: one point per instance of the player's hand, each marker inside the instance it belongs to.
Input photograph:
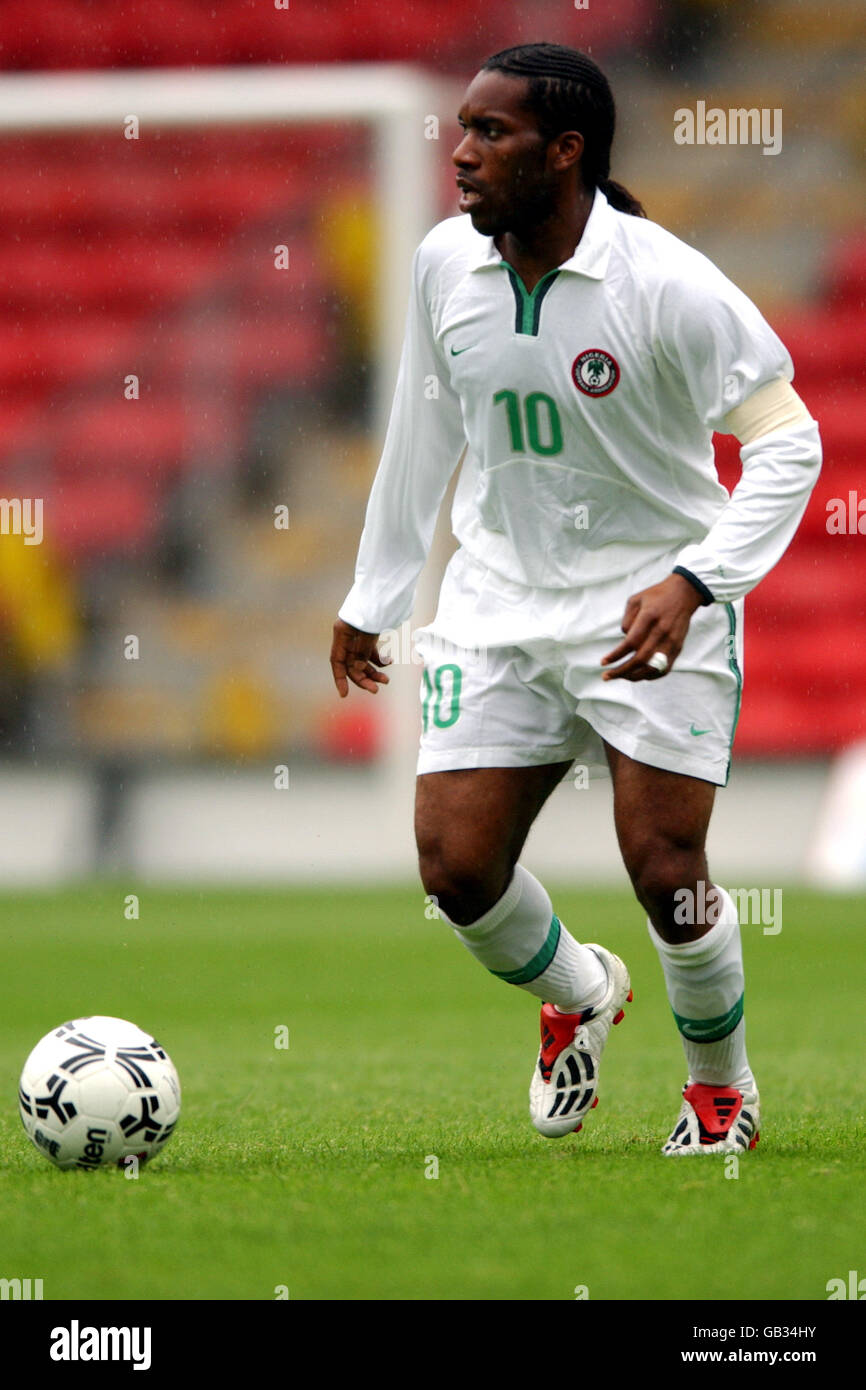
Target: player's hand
(656, 620)
(355, 657)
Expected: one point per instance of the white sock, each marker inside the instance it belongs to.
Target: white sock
(704, 981)
(521, 940)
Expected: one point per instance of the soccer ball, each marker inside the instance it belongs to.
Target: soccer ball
(98, 1091)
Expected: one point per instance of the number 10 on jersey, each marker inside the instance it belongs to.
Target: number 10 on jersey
(536, 418)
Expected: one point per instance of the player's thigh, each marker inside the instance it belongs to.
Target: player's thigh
(471, 823)
(498, 733)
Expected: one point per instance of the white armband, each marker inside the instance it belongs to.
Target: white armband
(769, 409)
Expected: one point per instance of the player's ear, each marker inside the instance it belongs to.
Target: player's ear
(564, 152)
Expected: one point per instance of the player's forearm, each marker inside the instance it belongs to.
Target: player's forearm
(423, 446)
(394, 545)
(756, 527)
(398, 531)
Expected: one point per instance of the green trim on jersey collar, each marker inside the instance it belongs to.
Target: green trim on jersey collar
(528, 306)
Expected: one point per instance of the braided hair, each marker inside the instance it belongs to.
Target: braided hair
(568, 91)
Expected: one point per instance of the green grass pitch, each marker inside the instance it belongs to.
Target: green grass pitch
(306, 1167)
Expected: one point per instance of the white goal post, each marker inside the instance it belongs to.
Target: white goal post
(394, 99)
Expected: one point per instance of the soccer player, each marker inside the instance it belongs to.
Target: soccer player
(579, 357)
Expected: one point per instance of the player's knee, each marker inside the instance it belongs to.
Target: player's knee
(661, 869)
(463, 887)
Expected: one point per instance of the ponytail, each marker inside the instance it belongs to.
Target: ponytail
(620, 198)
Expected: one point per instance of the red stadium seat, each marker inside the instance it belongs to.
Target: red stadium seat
(321, 33)
(37, 355)
(154, 436)
(65, 34)
(164, 32)
(813, 659)
(106, 273)
(811, 580)
(240, 195)
(841, 414)
(786, 725)
(283, 350)
(54, 33)
(783, 722)
(845, 273)
(20, 422)
(727, 451)
(44, 199)
(273, 351)
(306, 279)
(831, 504)
(349, 735)
(89, 517)
(403, 33)
(821, 342)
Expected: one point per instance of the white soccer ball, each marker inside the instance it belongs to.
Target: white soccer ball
(98, 1091)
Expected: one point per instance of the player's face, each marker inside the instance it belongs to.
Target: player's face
(502, 168)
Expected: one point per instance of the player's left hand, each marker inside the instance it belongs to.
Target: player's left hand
(656, 620)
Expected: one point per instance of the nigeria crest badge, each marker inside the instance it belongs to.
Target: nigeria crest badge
(595, 372)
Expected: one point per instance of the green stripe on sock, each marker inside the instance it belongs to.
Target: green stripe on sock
(539, 963)
(707, 1030)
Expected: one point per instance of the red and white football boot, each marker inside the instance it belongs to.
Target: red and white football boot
(565, 1079)
(714, 1120)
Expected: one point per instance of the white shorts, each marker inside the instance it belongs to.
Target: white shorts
(512, 678)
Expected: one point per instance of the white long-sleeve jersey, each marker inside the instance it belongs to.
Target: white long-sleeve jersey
(586, 411)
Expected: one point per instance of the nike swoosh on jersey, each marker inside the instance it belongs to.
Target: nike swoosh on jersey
(698, 732)
(455, 352)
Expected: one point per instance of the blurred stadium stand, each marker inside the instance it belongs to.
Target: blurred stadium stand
(154, 257)
(100, 34)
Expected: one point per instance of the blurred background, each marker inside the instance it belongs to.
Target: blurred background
(202, 424)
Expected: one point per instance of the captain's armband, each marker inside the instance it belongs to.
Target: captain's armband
(768, 410)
